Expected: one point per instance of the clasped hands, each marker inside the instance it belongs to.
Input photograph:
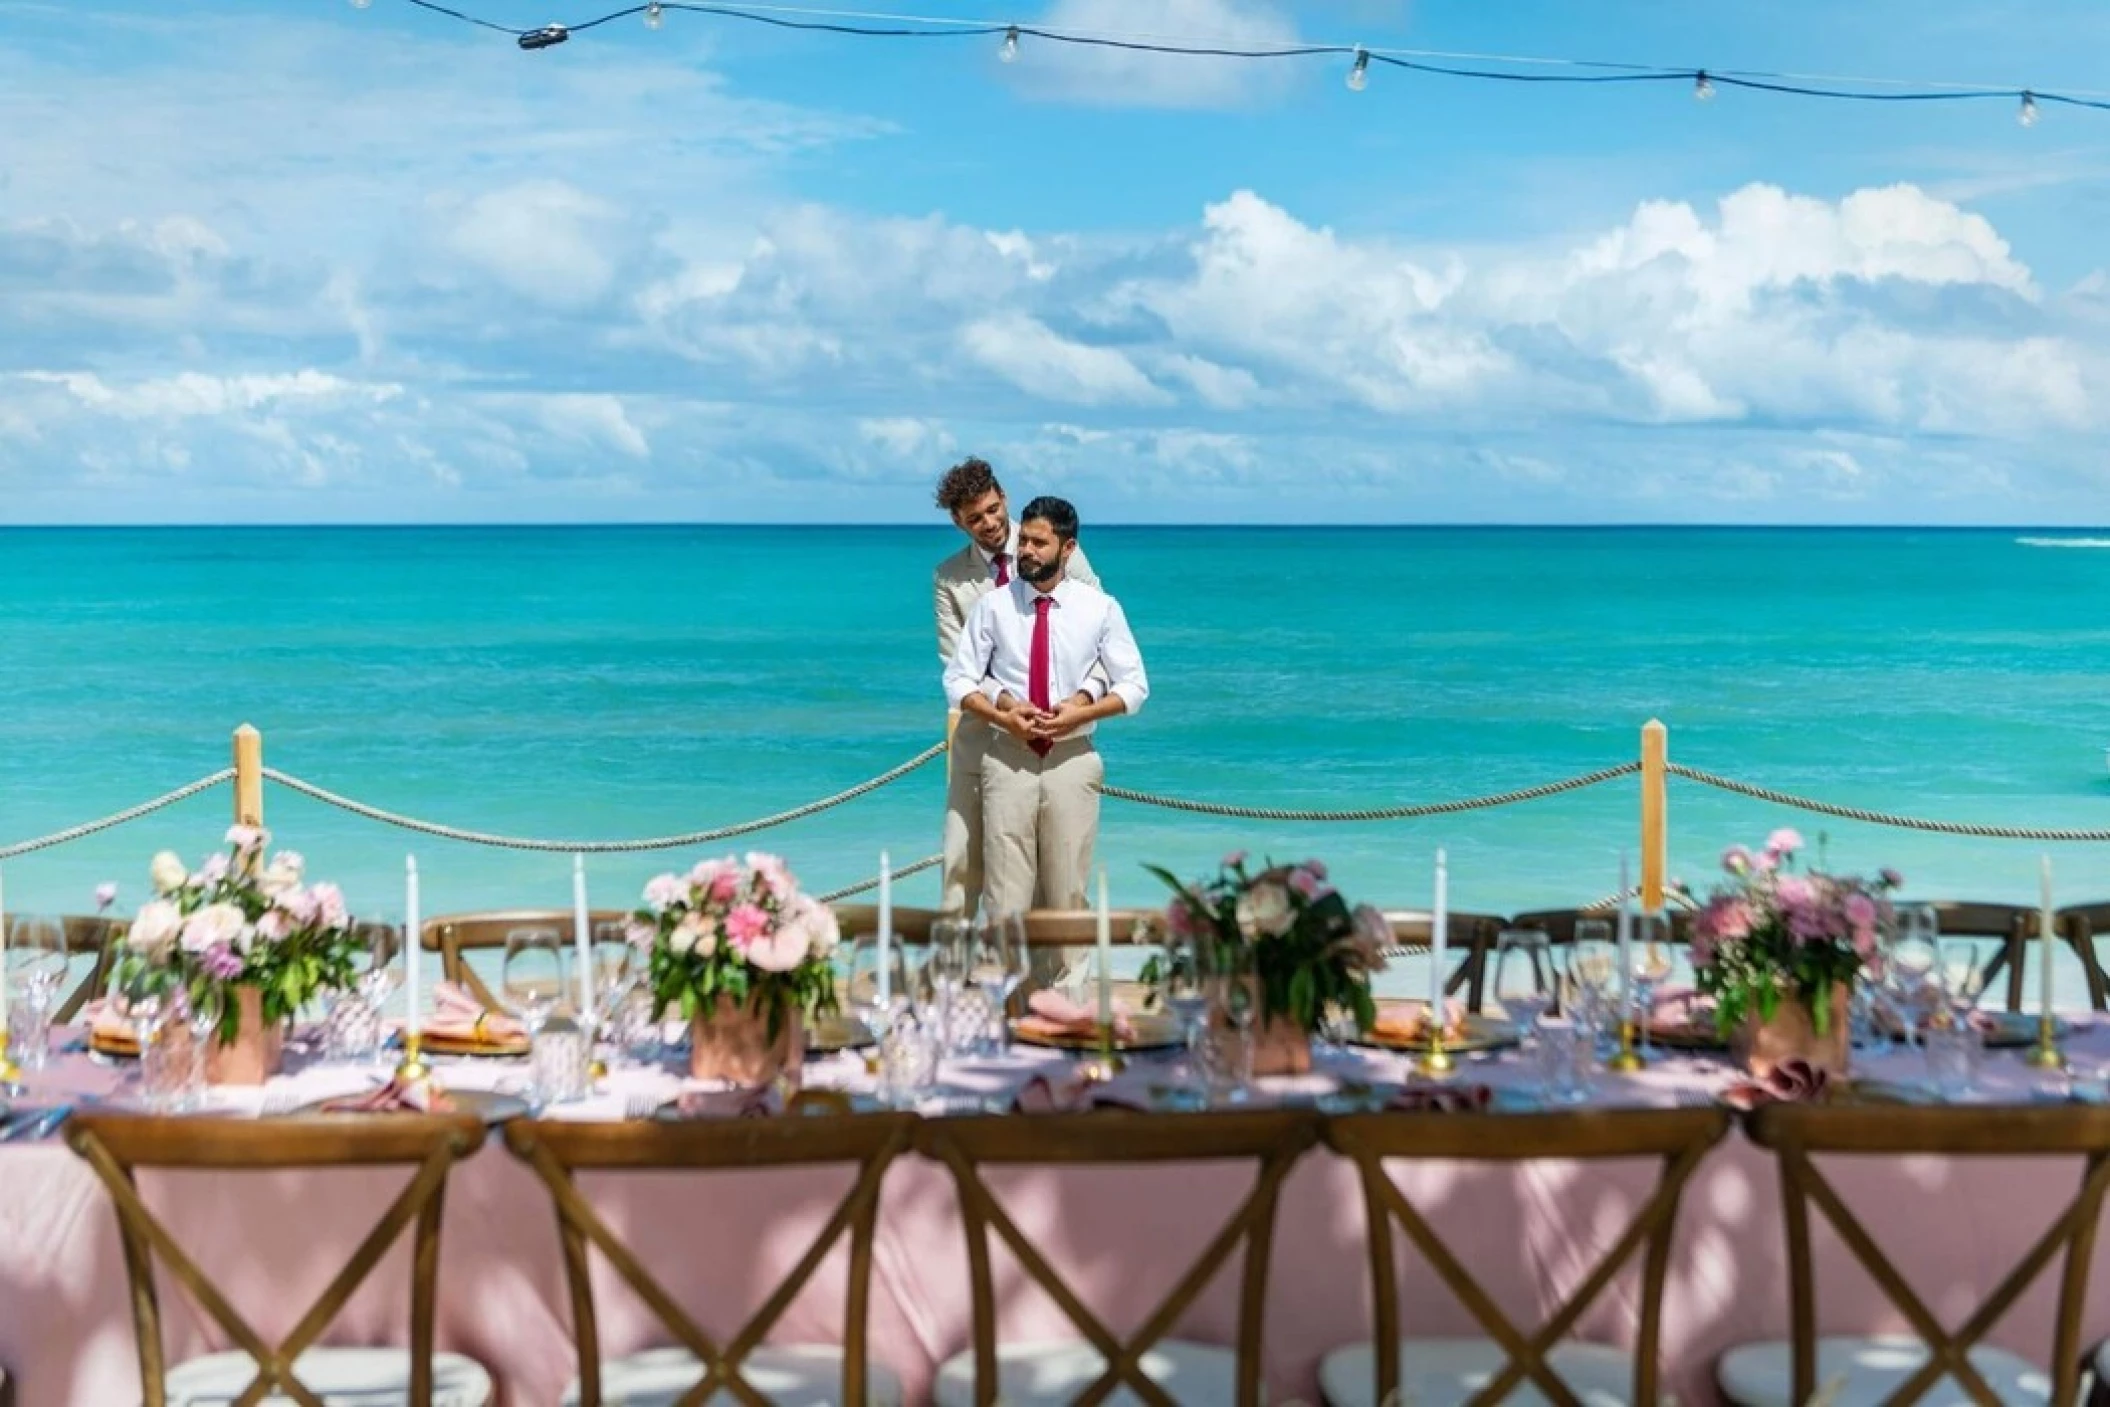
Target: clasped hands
(1028, 722)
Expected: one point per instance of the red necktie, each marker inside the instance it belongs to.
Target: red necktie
(1003, 569)
(1037, 669)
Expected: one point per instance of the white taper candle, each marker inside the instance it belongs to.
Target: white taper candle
(1106, 957)
(582, 935)
(2045, 931)
(1439, 939)
(411, 1021)
(886, 931)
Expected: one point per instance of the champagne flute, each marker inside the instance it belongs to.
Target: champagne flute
(951, 962)
(1523, 966)
(1651, 964)
(1591, 968)
(867, 971)
(615, 978)
(36, 966)
(533, 977)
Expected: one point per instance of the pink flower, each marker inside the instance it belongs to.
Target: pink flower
(1736, 860)
(1726, 918)
(771, 871)
(214, 869)
(639, 935)
(247, 839)
(105, 896)
(663, 892)
(706, 871)
(1784, 842)
(329, 899)
(1179, 918)
(1310, 885)
(1233, 860)
(746, 923)
(1317, 867)
(1891, 879)
(725, 887)
(274, 926)
(221, 962)
(1765, 862)
(1860, 911)
(782, 950)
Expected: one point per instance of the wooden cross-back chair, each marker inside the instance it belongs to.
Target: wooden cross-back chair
(1512, 1359)
(1470, 936)
(455, 936)
(1955, 1362)
(910, 925)
(117, 1146)
(1094, 1369)
(2082, 925)
(2011, 927)
(700, 1368)
(88, 934)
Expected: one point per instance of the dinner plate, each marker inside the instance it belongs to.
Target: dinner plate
(496, 1048)
(839, 1032)
(1480, 1033)
(113, 1044)
(486, 1104)
(1148, 1031)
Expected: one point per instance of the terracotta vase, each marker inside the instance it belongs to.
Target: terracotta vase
(731, 1043)
(1281, 1048)
(1792, 1035)
(258, 1049)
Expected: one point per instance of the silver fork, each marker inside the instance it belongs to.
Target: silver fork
(640, 1106)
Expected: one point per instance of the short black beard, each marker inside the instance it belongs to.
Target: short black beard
(1046, 573)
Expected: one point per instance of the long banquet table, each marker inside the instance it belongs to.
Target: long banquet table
(721, 1241)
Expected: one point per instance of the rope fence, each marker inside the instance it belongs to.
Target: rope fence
(1226, 810)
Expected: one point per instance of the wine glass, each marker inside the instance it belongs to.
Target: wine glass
(997, 963)
(1962, 978)
(1235, 994)
(1907, 973)
(875, 984)
(1591, 968)
(615, 977)
(36, 967)
(1650, 965)
(950, 963)
(533, 977)
(1523, 967)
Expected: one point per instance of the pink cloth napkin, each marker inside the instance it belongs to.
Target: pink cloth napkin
(1408, 1020)
(396, 1097)
(454, 1014)
(1792, 1082)
(1070, 1095)
(1050, 1013)
(1441, 1099)
(756, 1102)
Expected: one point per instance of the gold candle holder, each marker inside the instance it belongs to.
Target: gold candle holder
(413, 1069)
(1105, 1063)
(2046, 1053)
(1627, 1060)
(1436, 1062)
(10, 1073)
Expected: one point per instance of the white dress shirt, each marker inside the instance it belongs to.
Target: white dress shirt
(1085, 627)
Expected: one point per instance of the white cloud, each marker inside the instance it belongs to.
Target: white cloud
(907, 437)
(1047, 365)
(545, 240)
(1114, 77)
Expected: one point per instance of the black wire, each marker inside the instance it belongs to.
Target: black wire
(1637, 73)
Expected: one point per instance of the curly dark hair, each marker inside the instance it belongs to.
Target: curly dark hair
(965, 482)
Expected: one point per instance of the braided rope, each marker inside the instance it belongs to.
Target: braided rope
(1883, 818)
(1383, 813)
(873, 883)
(601, 847)
(88, 828)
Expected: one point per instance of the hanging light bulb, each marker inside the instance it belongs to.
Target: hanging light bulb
(2027, 113)
(1359, 76)
(1009, 53)
(1702, 87)
(655, 15)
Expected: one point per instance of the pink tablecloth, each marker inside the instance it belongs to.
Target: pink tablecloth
(721, 1241)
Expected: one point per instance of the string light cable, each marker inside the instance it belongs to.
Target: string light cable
(1705, 83)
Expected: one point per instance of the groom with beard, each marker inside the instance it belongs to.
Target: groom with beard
(1021, 667)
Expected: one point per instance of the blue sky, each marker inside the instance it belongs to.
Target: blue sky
(267, 261)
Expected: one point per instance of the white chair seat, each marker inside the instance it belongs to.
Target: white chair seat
(1031, 1374)
(1447, 1372)
(789, 1375)
(342, 1377)
(1851, 1371)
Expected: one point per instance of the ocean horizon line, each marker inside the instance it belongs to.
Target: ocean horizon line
(2066, 531)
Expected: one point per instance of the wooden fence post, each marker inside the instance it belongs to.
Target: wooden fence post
(1655, 817)
(248, 776)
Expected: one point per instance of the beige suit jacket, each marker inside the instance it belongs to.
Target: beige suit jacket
(963, 579)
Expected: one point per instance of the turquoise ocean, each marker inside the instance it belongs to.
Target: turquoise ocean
(618, 682)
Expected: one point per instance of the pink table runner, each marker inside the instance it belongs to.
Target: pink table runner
(720, 1243)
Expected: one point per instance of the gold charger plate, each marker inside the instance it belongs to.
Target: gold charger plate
(1149, 1031)
(1480, 1033)
(839, 1032)
(2012, 1030)
(123, 1047)
(495, 1048)
(486, 1104)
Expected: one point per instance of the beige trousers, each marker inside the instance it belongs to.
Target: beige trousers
(961, 878)
(1040, 820)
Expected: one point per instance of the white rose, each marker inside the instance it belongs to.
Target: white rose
(280, 878)
(1265, 909)
(215, 923)
(691, 933)
(156, 927)
(167, 873)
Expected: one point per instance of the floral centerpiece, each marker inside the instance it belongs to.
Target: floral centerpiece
(1292, 930)
(1778, 949)
(246, 940)
(744, 956)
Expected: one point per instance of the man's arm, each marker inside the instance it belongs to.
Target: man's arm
(949, 621)
(1127, 685)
